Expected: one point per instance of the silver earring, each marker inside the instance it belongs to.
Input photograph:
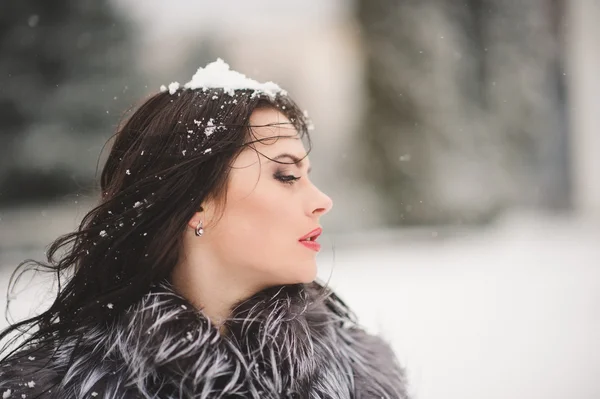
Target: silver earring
(199, 229)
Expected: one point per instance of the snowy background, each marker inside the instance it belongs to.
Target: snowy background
(458, 140)
(506, 311)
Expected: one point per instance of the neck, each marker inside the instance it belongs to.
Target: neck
(211, 287)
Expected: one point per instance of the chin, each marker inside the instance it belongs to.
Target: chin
(309, 276)
(304, 275)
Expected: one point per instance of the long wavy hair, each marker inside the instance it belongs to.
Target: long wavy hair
(170, 155)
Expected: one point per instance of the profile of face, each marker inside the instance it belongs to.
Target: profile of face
(270, 206)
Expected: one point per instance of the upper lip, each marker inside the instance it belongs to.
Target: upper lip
(315, 233)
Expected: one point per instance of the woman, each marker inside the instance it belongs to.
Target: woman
(194, 276)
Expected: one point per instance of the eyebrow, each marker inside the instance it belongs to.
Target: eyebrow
(298, 161)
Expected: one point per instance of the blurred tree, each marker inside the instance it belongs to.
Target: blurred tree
(65, 70)
(466, 108)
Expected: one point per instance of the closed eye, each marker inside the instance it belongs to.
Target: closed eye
(287, 179)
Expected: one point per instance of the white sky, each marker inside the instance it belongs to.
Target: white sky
(162, 18)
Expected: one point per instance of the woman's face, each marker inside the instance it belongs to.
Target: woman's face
(270, 207)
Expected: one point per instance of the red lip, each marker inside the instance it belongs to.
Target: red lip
(315, 233)
(315, 246)
(312, 244)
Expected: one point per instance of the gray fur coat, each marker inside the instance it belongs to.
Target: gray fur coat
(284, 342)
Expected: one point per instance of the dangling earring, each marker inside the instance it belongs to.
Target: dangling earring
(199, 229)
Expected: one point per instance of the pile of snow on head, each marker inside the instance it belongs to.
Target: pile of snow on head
(217, 75)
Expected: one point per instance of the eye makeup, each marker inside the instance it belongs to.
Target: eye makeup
(285, 178)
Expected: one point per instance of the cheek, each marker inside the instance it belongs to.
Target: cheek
(261, 223)
(258, 233)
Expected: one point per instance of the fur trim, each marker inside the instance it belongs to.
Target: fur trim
(284, 342)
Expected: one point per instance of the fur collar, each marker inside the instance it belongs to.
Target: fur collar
(284, 342)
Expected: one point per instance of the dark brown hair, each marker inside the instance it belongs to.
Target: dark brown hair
(174, 152)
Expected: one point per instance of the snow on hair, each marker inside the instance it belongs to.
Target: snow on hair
(218, 75)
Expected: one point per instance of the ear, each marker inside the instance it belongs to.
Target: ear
(205, 214)
(195, 220)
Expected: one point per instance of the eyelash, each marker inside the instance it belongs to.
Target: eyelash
(287, 179)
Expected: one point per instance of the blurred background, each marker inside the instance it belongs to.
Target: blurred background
(459, 141)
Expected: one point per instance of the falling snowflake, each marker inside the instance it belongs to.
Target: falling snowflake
(33, 20)
(109, 305)
(128, 172)
(207, 151)
(103, 233)
(6, 394)
(31, 384)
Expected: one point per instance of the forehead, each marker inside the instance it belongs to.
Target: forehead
(276, 132)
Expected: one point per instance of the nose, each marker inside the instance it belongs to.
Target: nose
(323, 203)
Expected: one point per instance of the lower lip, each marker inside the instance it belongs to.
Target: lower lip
(315, 246)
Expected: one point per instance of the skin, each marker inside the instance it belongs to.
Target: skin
(254, 244)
